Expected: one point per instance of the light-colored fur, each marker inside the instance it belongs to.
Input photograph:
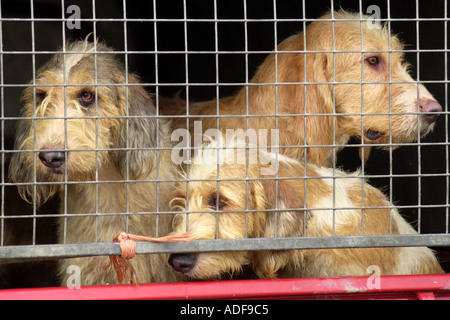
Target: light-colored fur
(322, 202)
(327, 111)
(111, 140)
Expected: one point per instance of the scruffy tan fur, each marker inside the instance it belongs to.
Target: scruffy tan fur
(334, 105)
(55, 119)
(323, 205)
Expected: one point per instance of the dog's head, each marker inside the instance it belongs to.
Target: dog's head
(358, 85)
(394, 106)
(232, 200)
(82, 112)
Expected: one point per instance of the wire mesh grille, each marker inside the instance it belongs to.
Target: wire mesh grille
(208, 50)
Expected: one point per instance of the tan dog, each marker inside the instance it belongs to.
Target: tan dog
(89, 133)
(348, 74)
(235, 203)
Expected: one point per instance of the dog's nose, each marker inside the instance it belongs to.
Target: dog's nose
(182, 263)
(52, 159)
(431, 110)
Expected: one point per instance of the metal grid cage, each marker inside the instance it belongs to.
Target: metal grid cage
(209, 49)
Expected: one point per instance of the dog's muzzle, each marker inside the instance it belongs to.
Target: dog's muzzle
(183, 263)
(430, 110)
(52, 159)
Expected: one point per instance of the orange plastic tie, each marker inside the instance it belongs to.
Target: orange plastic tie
(127, 243)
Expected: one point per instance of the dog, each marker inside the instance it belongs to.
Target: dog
(89, 133)
(227, 200)
(358, 85)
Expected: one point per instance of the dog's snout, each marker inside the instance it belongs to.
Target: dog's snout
(431, 109)
(52, 159)
(183, 263)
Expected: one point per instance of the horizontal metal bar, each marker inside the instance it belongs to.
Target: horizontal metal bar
(216, 52)
(160, 212)
(220, 84)
(221, 20)
(13, 254)
(365, 176)
(310, 146)
(49, 252)
(188, 115)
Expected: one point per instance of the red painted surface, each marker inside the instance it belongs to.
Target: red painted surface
(390, 287)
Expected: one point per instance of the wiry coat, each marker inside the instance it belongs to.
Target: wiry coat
(293, 201)
(85, 106)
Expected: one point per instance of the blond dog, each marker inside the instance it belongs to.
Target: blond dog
(89, 133)
(240, 200)
(358, 85)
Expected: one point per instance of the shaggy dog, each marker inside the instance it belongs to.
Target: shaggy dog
(228, 199)
(336, 80)
(89, 133)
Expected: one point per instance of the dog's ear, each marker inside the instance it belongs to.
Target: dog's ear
(319, 101)
(314, 99)
(286, 207)
(285, 217)
(138, 133)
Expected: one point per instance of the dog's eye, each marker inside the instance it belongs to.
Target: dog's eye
(213, 203)
(86, 98)
(373, 61)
